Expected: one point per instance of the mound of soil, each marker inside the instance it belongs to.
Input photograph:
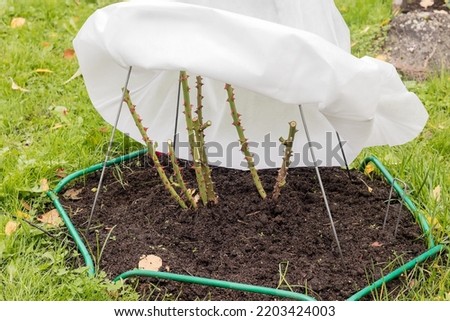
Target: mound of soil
(420, 5)
(418, 41)
(288, 245)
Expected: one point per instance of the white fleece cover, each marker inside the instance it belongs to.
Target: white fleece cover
(276, 53)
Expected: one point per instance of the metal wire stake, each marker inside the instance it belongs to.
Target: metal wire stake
(388, 205)
(343, 155)
(177, 111)
(320, 180)
(111, 139)
(405, 187)
(398, 219)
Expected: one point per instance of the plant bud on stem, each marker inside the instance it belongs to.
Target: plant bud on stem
(282, 172)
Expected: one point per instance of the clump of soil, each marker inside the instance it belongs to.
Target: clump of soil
(420, 5)
(289, 245)
(418, 41)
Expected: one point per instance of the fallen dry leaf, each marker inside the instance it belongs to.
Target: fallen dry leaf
(61, 110)
(43, 71)
(72, 194)
(25, 205)
(18, 22)
(44, 185)
(433, 222)
(437, 193)
(150, 262)
(369, 168)
(426, 3)
(15, 86)
(45, 44)
(75, 75)
(61, 173)
(21, 214)
(69, 53)
(11, 227)
(56, 126)
(376, 244)
(51, 217)
(381, 57)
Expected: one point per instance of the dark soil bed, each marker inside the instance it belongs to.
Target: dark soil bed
(244, 239)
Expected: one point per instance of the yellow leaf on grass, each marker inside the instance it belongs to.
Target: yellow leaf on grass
(11, 227)
(433, 222)
(369, 168)
(43, 70)
(21, 214)
(56, 126)
(150, 262)
(437, 193)
(18, 22)
(15, 86)
(52, 218)
(44, 185)
(426, 3)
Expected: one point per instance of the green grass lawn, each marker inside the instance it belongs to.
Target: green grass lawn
(48, 128)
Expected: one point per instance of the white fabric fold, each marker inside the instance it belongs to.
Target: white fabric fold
(295, 53)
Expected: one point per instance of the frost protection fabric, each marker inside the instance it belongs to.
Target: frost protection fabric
(276, 56)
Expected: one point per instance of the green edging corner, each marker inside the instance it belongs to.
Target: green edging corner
(432, 248)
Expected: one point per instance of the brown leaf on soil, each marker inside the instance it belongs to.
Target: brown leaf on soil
(376, 244)
(150, 262)
(11, 227)
(18, 22)
(72, 194)
(426, 3)
(51, 217)
(69, 53)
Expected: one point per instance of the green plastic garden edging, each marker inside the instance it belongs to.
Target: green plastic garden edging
(432, 248)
